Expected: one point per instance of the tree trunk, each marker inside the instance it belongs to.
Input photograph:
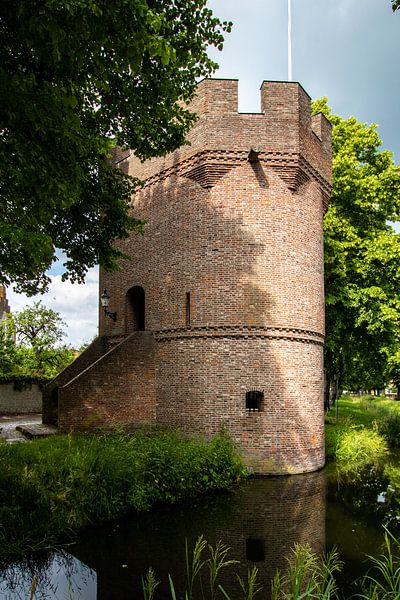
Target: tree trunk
(335, 390)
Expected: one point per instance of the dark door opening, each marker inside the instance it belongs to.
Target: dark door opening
(135, 314)
(54, 397)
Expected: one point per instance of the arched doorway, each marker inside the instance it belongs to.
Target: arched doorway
(135, 309)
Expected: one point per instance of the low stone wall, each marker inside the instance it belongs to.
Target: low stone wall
(20, 399)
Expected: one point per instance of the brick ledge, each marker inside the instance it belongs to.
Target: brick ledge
(240, 332)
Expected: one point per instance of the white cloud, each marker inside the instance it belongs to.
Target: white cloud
(76, 303)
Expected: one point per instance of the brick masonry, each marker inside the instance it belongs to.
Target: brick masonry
(20, 399)
(233, 229)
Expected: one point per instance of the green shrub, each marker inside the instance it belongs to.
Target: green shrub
(51, 486)
(358, 448)
(389, 427)
(356, 441)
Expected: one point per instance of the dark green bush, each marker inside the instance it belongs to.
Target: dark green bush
(52, 486)
(389, 427)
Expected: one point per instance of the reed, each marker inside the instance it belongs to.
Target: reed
(210, 565)
(308, 576)
(382, 582)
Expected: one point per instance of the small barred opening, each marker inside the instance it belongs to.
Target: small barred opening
(254, 401)
(255, 549)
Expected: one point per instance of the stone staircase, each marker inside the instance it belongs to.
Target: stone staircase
(23, 428)
(114, 340)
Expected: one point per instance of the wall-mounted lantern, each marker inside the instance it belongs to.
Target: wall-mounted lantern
(105, 301)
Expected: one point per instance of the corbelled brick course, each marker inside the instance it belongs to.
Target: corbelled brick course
(233, 228)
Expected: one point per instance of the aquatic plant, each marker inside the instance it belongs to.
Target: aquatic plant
(250, 587)
(307, 576)
(197, 564)
(194, 566)
(149, 585)
(382, 582)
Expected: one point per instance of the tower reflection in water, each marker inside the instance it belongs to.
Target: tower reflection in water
(260, 522)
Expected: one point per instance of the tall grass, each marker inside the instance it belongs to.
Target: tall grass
(52, 487)
(204, 567)
(356, 441)
(308, 576)
(358, 448)
(382, 582)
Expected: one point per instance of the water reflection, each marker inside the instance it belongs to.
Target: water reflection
(260, 521)
(58, 576)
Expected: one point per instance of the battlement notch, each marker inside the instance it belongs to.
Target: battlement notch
(216, 97)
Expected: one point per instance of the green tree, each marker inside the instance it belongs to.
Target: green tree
(395, 5)
(362, 253)
(39, 327)
(38, 330)
(78, 77)
(30, 344)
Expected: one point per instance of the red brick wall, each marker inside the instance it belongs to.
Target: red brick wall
(244, 237)
(116, 390)
(49, 408)
(202, 383)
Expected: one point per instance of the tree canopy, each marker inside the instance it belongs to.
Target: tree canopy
(31, 344)
(362, 254)
(395, 4)
(78, 77)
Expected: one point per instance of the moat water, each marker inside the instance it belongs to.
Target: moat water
(260, 521)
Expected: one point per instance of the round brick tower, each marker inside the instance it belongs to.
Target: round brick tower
(228, 277)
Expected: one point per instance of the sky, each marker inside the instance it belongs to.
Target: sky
(347, 50)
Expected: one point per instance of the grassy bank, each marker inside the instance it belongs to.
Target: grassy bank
(365, 432)
(52, 487)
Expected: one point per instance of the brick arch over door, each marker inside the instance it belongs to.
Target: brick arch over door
(135, 309)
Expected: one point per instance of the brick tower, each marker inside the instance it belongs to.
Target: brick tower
(220, 312)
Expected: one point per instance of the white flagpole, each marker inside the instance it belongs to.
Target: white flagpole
(290, 73)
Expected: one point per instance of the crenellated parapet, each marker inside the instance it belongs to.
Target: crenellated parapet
(284, 135)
